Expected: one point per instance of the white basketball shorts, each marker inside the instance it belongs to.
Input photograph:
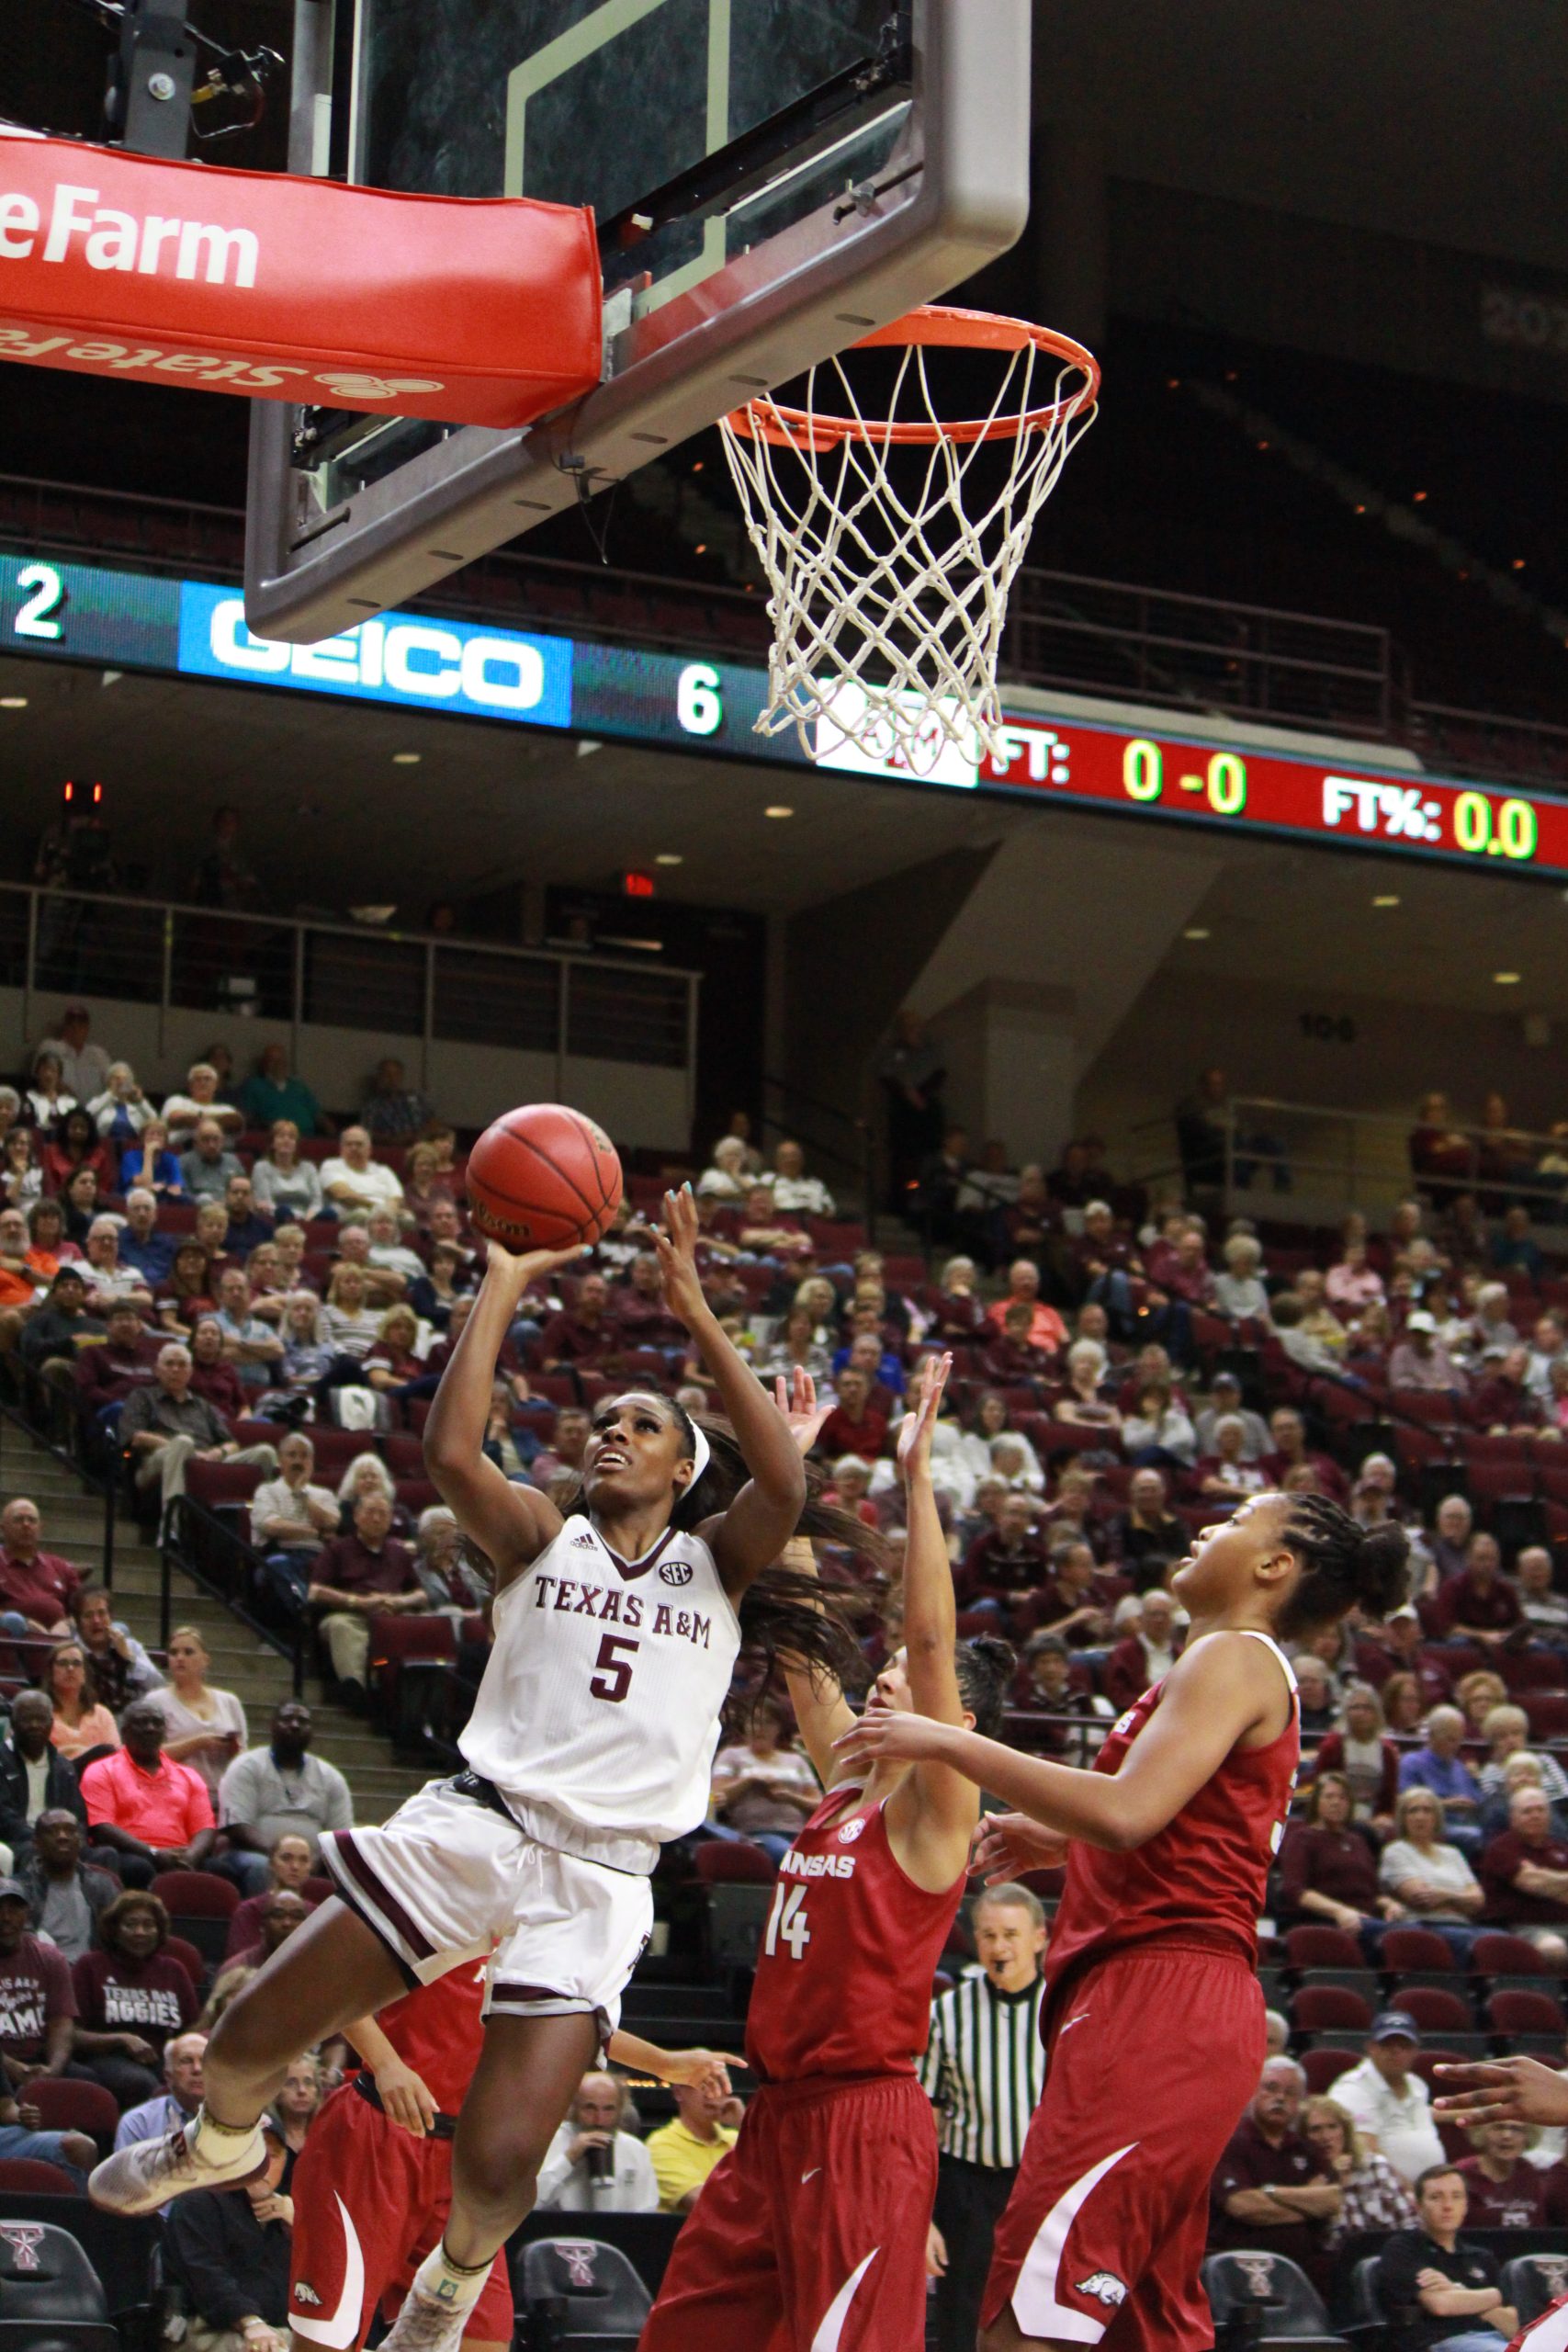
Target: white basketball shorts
(449, 1875)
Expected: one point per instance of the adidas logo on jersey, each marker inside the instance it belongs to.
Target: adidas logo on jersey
(1104, 2287)
(676, 1572)
(583, 1542)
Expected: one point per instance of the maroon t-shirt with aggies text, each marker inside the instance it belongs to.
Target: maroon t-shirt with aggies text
(34, 1989)
(153, 1998)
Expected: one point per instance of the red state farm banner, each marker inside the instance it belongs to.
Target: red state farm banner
(470, 311)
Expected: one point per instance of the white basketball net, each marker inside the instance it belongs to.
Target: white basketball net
(888, 564)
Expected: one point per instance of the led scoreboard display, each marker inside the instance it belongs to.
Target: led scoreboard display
(479, 671)
(1176, 777)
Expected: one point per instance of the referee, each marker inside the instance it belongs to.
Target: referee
(984, 2070)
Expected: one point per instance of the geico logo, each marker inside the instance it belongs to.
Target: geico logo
(241, 375)
(410, 657)
(115, 240)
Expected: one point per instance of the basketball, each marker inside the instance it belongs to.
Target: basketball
(543, 1178)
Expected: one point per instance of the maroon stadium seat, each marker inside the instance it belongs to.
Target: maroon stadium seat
(196, 1894)
(1496, 1954)
(1547, 1713)
(1323, 2068)
(1526, 2013)
(1330, 2008)
(723, 1863)
(1411, 1951)
(65, 2106)
(190, 1959)
(1436, 2011)
(1322, 1948)
(28, 2177)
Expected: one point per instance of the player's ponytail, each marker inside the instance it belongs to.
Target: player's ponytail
(986, 1668)
(1344, 1566)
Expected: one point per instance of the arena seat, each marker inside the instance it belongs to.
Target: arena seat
(1547, 1713)
(1497, 1954)
(415, 1495)
(1330, 2008)
(586, 2293)
(1531, 2283)
(404, 1454)
(50, 2296)
(214, 1484)
(1315, 1947)
(199, 1907)
(28, 2175)
(1526, 1670)
(67, 2106)
(1262, 2299)
(725, 1862)
(1438, 2012)
(180, 1948)
(1417, 1951)
(1516, 2012)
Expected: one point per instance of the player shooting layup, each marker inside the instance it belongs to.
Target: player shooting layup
(590, 1744)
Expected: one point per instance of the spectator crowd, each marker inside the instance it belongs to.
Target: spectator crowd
(242, 1313)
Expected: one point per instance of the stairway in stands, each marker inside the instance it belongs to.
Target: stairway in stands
(259, 1678)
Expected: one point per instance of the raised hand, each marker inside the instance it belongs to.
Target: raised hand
(677, 1248)
(1506, 2090)
(525, 1266)
(884, 1731)
(797, 1400)
(1008, 1844)
(915, 1429)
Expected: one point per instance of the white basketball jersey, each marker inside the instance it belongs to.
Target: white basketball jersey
(599, 1705)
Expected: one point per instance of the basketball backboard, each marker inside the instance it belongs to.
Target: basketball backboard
(771, 179)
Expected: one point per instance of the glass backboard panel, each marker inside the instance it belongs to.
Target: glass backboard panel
(771, 180)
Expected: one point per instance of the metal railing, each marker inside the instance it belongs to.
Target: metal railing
(206, 1548)
(406, 984)
(1064, 629)
(1198, 651)
(1261, 1147)
(839, 1145)
(46, 1413)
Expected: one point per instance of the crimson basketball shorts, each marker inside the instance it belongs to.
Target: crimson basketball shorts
(1547, 2333)
(810, 2234)
(1153, 2054)
(370, 2202)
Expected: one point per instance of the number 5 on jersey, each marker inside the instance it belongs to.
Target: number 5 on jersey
(787, 1922)
(612, 1675)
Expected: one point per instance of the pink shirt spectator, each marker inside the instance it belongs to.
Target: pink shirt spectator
(165, 1809)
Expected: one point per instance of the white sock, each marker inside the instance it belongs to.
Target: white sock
(219, 2140)
(450, 2283)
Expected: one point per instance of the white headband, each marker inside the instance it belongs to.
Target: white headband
(702, 1454)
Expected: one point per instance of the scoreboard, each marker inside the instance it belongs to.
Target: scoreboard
(481, 672)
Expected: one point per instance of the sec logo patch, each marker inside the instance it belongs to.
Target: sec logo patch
(852, 1830)
(675, 1572)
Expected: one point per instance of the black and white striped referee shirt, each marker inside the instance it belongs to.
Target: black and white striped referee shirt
(984, 2070)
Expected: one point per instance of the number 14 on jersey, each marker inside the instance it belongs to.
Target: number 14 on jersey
(787, 1922)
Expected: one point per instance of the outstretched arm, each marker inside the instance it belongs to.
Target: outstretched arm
(1216, 1693)
(510, 1524)
(760, 1521)
(935, 1810)
(1516, 2090)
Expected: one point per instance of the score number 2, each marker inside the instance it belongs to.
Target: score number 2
(1223, 782)
(47, 598)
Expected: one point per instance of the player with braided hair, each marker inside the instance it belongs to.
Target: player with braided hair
(1153, 2016)
(810, 2234)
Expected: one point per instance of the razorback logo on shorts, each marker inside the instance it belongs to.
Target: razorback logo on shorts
(676, 1572)
(305, 2293)
(1105, 2286)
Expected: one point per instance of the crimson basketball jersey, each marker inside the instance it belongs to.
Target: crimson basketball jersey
(844, 1974)
(437, 2031)
(1201, 1878)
